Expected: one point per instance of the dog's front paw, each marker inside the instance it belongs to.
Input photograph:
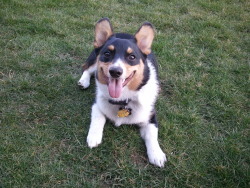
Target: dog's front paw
(157, 157)
(94, 140)
(83, 83)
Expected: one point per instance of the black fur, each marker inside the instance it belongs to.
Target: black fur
(91, 60)
(123, 102)
(153, 119)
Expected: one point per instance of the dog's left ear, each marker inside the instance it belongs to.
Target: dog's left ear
(144, 37)
(103, 30)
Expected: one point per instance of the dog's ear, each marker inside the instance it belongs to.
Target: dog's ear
(144, 37)
(103, 30)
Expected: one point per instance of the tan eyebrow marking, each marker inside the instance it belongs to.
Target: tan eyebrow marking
(129, 50)
(111, 47)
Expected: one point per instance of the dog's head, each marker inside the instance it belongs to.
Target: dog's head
(122, 57)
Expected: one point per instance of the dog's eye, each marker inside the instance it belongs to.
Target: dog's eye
(107, 54)
(131, 57)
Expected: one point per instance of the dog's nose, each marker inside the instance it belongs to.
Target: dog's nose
(115, 72)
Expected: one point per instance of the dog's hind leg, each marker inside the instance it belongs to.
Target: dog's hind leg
(84, 81)
(149, 133)
(88, 70)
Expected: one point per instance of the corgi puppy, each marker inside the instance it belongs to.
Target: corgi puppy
(127, 85)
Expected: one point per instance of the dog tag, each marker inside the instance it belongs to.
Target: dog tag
(124, 112)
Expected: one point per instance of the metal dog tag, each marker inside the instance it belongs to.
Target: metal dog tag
(124, 112)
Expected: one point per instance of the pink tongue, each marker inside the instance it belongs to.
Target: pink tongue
(115, 87)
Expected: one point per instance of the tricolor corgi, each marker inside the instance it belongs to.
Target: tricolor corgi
(127, 83)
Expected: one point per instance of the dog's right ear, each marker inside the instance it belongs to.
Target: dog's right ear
(103, 30)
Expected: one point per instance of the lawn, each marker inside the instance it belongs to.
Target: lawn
(203, 109)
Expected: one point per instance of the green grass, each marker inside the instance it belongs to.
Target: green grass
(203, 109)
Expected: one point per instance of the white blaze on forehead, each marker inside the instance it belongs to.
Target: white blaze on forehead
(118, 62)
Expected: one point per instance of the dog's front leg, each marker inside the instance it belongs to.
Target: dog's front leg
(84, 81)
(149, 133)
(98, 120)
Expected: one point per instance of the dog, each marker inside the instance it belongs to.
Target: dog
(127, 85)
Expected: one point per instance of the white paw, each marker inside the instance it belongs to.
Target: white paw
(84, 83)
(94, 140)
(157, 157)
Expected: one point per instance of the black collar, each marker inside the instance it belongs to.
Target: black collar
(123, 102)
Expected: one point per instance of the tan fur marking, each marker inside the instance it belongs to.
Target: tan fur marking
(102, 69)
(138, 76)
(111, 47)
(85, 66)
(129, 50)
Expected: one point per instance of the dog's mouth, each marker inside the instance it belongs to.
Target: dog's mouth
(115, 85)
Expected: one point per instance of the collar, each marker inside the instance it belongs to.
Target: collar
(122, 102)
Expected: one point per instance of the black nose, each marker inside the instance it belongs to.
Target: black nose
(115, 72)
